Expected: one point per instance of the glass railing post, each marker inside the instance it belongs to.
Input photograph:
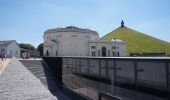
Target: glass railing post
(136, 77)
(114, 76)
(167, 79)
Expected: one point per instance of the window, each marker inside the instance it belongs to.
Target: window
(117, 47)
(113, 47)
(99, 53)
(103, 51)
(56, 53)
(47, 53)
(115, 54)
(118, 54)
(93, 47)
(3, 50)
(93, 53)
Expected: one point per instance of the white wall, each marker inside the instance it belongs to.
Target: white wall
(68, 43)
(13, 50)
(78, 43)
(108, 44)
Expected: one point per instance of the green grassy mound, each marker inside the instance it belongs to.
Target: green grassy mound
(137, 42)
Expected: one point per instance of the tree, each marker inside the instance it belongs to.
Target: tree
(27, 46)
(40, 49)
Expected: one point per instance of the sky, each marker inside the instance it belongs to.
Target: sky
(26, 20)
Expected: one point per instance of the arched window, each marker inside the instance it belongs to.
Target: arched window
(47, 53)
(103, 51)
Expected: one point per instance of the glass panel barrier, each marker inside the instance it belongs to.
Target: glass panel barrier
(101, 78)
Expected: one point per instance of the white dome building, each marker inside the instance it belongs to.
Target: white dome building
(74, 41)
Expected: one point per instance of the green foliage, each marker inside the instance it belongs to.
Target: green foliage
(27, 46)
(137, 42)
(40, 49)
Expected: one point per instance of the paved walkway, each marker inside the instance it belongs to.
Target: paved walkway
(39, 69)
(18, 83)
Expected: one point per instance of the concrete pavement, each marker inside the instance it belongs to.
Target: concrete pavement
(18, 83)
(39, 69)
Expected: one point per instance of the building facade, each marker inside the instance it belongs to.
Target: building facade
(9, 48)
(102, 48)
(74, 41)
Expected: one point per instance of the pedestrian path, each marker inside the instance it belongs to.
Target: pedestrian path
(18, 83)
(40, 70)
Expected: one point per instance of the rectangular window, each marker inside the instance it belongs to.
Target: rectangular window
(93, 47)
(99, 53)
(113, 47)
(115, 54)
(93, 53)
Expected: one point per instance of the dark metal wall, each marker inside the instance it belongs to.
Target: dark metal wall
(125, 78)
(55, 64)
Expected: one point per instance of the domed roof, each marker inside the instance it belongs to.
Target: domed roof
(72, 27)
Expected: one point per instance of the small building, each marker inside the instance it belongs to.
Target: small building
(10, 48)
(74, 41)
(103, 48)
(26, 53)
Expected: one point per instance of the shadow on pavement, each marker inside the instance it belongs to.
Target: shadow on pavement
(40, 70)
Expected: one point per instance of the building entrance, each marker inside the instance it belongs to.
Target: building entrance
(103, 51)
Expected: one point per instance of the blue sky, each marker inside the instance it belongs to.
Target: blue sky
(26, 20)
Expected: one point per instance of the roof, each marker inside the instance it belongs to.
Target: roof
(6, 43)
(70, 29)
(121, 58)
(106, 41)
